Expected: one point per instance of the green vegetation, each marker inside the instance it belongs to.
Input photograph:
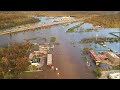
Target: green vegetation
(26, 73)
(70, 30)
(85, 50)
(33, 67)
(100, 39)
(85, 58)
(88, 30)
(97, 72)
(14, 59)
(65, 24)
(52, 39)
(23, 75)
(116, 67)
(8, 20)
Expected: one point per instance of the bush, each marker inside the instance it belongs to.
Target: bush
(97, 72)
(8, 76)
(53, 39)
(70, 30)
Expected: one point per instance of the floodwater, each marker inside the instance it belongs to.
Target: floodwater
(66, 56)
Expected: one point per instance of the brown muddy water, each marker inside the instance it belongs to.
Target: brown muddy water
(66, 57)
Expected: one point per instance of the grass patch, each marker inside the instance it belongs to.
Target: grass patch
(70, 30)
(90, 29)
(52, 39)
(65, 24)
(26, 73)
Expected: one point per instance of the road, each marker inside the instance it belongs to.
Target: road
(69, 60)
(33, 26)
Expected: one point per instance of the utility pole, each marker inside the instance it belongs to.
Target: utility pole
(96, 36)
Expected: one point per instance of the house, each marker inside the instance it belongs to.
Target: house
(102, 57)
(95, 57)
(114, 59)
(36, 59)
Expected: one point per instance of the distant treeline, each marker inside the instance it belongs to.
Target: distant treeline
(103, 18)
(111, 20)
(8, 20)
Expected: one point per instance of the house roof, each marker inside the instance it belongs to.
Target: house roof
(112, 54)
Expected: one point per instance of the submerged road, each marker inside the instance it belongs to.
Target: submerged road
(33, 26)
(68, 60)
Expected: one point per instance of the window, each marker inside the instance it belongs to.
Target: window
(36, 60)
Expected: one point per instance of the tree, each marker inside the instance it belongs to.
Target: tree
(14, 59)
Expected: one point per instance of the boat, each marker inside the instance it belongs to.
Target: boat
(101, 43)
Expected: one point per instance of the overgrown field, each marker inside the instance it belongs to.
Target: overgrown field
(8, 20)
(104, 18)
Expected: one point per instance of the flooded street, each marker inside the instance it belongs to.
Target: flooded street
(68, 59)
(67, 55)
